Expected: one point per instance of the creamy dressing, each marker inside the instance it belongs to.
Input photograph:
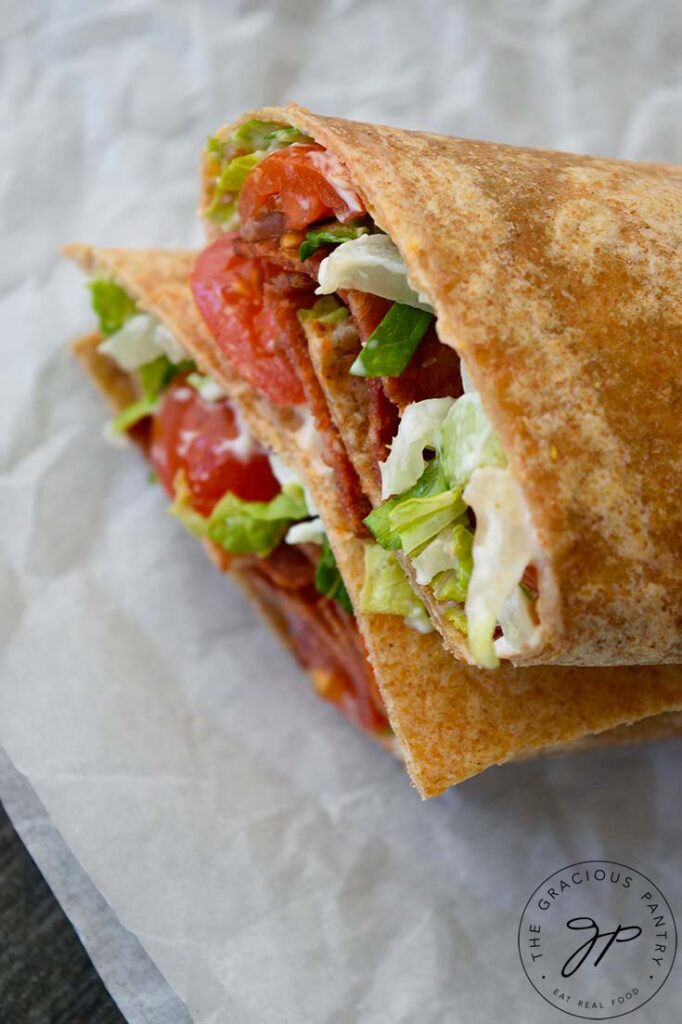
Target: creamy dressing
(285, 475)
(504, 542)
(520, 629)
(504, 545)
(422, 624)
(142, 339)
(208, 388)
(309, 439)
(310, 531)
(370, 263)
(338, 178)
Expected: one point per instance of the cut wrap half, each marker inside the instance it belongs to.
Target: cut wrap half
(451, 721)
(497, 337)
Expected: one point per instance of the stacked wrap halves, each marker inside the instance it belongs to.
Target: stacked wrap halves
(469, 356)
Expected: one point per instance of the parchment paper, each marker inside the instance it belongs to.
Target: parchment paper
(274, 865)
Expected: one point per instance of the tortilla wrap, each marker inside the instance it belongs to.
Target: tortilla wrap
(451, 721)
(559, 279)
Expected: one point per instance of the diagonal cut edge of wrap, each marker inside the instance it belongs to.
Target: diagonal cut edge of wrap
(558, 278)
(452, 721)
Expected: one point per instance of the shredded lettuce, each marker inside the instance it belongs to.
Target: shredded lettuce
(236, 156)
(234, 174)
(325, 311)
(392, 343)
(329, 234)
(328, 579)
(371, 264)
(112, 304)
(270, 135)
(436, 558)
(386, 589)
(467, 441)
(256, 527)
(456, 616)
(417, 521)
(132, 414)
(452, 582)
(432, 481)
(154, 379)
(417, 431)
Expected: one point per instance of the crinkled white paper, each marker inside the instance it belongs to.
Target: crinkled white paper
(272, 863)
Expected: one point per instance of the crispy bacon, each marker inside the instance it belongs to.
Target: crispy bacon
(433, 372)
(269, 225)
(288, 567)
(283, 252)
(367, 310)
(290, 339)
(294, 346)
(383, 419)
(326, 642)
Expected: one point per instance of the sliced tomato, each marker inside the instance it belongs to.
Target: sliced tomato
(244, 317)
(305, 183)
(202, 439)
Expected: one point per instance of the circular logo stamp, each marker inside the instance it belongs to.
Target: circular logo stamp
(597, 939)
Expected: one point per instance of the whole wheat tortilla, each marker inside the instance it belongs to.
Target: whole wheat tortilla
(451, 720)
(559, 279)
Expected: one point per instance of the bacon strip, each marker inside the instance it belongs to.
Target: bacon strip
(291, 340)
(433, 371)
(324, 638)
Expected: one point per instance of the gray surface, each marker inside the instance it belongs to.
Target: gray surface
(54, 980)
(45, 973)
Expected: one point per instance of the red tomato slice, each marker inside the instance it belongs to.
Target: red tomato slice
(195, 436)
(305, 182)
(229, 292)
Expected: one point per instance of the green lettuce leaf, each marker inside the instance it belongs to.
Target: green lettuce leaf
(456, 616)
(233, 174)
(392, 344)
(256, 527)
(431, 482)
(386, 589)
(265, 135)
(112, 304)
(154, 378)
(328, 234)
(466, 440)
(158, 374)
(223, 212)
(328, 578)
(419, 520)
(132, 414)
(325, 311)
(236, 156)
(452, 585)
